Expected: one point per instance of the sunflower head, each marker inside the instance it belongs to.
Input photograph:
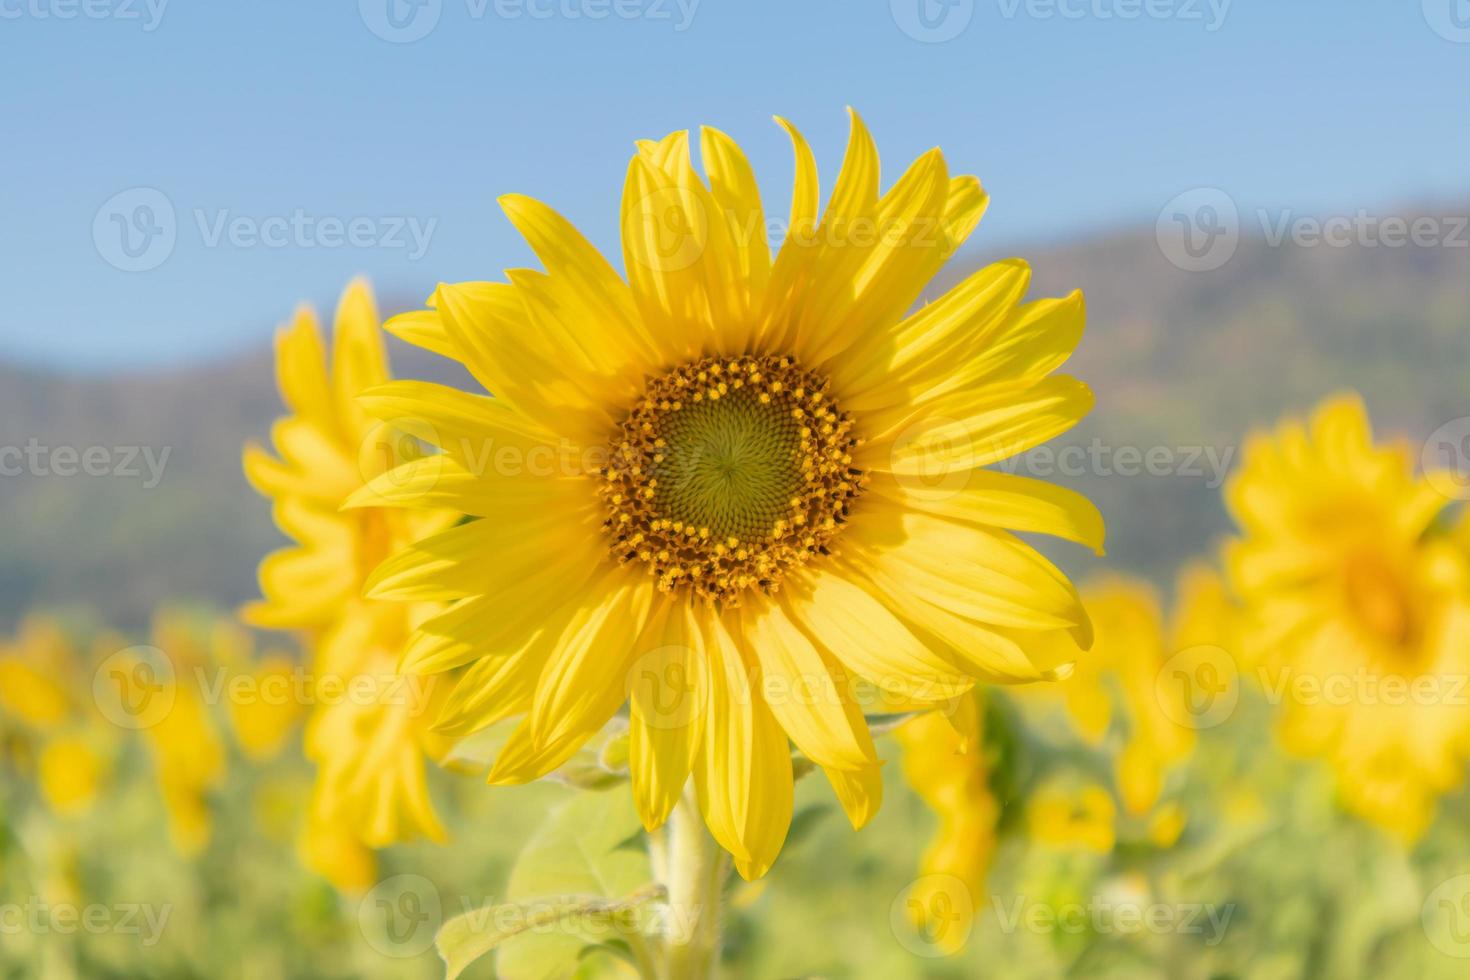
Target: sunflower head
(1356, 604)
(1326, 512)
(728, 473)
(368, 733)
(740, 485)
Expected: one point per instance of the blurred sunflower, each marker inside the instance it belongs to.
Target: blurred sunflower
(1358, 609)
(1121, 696)
(368, 732)
(167, 689)
(48, 728)
(1066, 814)
(263, 719)
(728, 485)
(952, 776)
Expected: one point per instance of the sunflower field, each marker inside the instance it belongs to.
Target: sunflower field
(711, 598)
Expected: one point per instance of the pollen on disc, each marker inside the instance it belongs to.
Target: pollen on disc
(728, 472)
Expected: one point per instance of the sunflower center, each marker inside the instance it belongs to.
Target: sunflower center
(727, 473)
(1380, 600)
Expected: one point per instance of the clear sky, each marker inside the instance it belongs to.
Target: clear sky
(268, 117)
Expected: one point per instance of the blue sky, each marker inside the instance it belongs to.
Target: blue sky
(1079, 115)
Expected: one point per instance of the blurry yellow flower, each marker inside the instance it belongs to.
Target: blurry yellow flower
(181, 732)
(368, 732)
(1359, 610)
(733, 483)
(70, 771)
(39, 677)
(265, 696)
(1166, 824)
(1083, 817)
(53, 725)
(953, 779)
(1114, 694)
(339, 856)
(369, 739)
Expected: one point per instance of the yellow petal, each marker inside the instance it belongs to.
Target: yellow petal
(743, 776)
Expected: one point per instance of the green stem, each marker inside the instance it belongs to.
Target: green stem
(693, 868)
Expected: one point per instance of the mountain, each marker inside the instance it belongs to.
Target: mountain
(1183, 364)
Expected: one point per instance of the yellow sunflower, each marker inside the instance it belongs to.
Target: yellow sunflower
(49, 723)
(1067, 814)
(726, 484)
(1125, 697)
(1359, 610)
(268, 706)
(172, 698)
(368, 731)
(953, 779)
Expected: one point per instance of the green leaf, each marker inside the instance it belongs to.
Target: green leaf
(578, 852)
(467, 937)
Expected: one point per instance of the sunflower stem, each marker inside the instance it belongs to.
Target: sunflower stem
(694, 869)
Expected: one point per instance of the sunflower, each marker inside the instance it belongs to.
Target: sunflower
(1125, 699)
(728, 485)
(1358, 610)
(953, 779)
(178, 725)
(263, 719)
(1067, 814)
(47, 724)
(368, 730)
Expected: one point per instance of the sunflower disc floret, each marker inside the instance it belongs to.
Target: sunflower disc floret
(727, 473)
